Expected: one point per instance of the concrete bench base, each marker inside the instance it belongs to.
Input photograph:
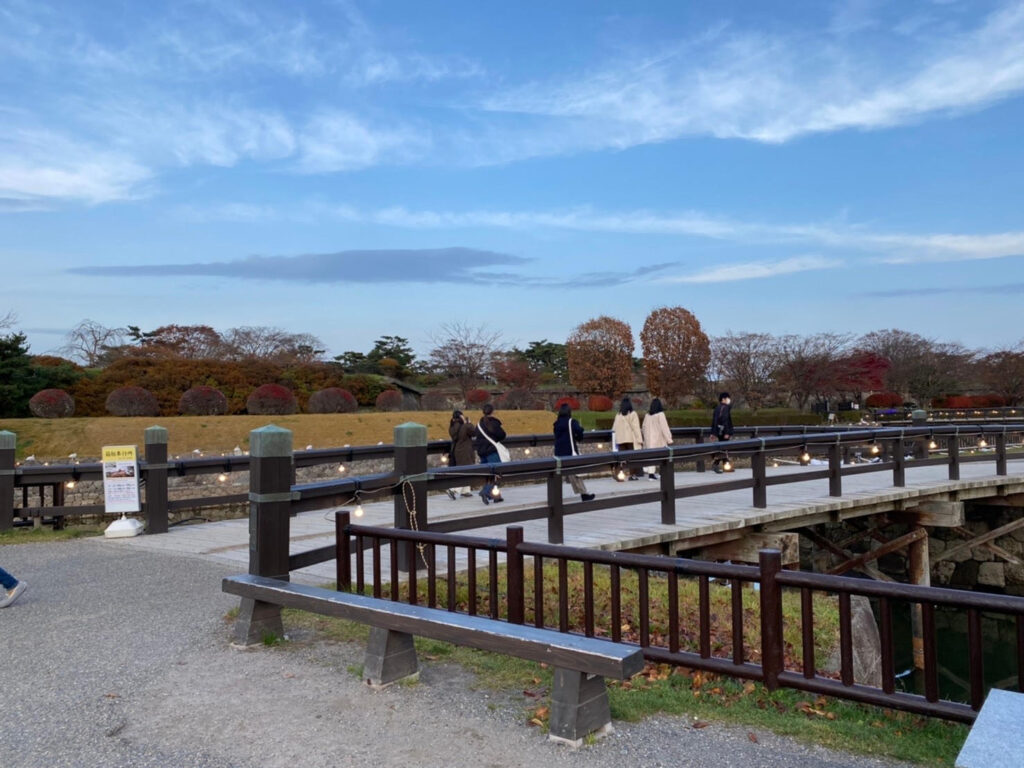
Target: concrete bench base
(993, 741)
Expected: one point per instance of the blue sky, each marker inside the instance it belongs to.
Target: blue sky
(360, 169)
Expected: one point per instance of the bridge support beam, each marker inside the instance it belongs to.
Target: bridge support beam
(920, 574)
(746, 549)
(937, 514)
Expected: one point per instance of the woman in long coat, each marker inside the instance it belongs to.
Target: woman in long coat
(462, 453)
(656, 432)
(567, 433)
(626, 432)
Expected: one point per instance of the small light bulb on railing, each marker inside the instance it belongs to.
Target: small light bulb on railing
(932, 445)
(69, 484)
(620, 475)
(875, 449)
(727, 466)
(527, 451)
(600, 445)
(805, 458)
(222, 477)
(495, 491)
(444, 458)
(983, 443)
(341, 468)
(358, 511)
(775, 464)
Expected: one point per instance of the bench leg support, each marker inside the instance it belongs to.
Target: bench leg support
(579, 707)
(256, 622)
(390, 656)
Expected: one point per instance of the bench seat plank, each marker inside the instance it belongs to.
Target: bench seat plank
(594, 656)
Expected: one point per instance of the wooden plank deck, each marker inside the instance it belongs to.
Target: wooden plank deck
(719, 515)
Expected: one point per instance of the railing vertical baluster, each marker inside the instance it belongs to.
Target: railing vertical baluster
(588, 598)
(976, 663)
(645, 609)
(668, 492)
(360, 564)
(885, 640)
(343, 556)
(1001, 453)
(615, 584)
(452, 582)
(772, 653)
(737, 621)
(705, 616)
(432, 576)
(156, 480)
(807, 631)
(555, 510)
(8, 441)
(899, 464)
(699, 440)
(563, 595)
(393, 550)
(931, 664)
(377, 580)
(757, 464)
(845, 639)
(515, 588)
(953, 451)
(673, 611)
(413, 560)
(492, 573)
(835, 470)
(538, 591)
(471, 579)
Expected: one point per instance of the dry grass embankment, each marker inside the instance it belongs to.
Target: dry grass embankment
(50, 439)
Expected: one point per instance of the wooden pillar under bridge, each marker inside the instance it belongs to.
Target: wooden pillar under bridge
(920, 574)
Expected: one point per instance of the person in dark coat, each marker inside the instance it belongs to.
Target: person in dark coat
(721, 427)
(568, 432)
(492, 432)
(461, 453)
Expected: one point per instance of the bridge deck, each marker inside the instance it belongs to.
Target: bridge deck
(719, 516)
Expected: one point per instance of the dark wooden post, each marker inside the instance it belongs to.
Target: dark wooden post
(270, 473)
(757, 464)
(514, 586)
(343, 559)
(899, 464)
(8, 441)
(555, 535)
(411, 472)
(835, 469)
(668, 492)
(156, 480)
(1001, 453)
(772, 660)
(699, 441)
(953, 450)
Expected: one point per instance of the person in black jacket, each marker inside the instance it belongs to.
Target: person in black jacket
(462, 451)
(721, 426)
(492, 433)
(568, 432)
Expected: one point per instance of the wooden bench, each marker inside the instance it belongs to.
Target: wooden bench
(579, 697)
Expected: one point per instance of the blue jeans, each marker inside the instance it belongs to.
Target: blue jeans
(490, 458)
(7, 581)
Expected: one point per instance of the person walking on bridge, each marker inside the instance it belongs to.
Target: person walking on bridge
(626, 431)
(721, 427)
(488, 435)
(12, 588)
(461, 454)
(568, 432)
(656, 432)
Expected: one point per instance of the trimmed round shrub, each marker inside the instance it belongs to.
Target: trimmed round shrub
(389, 400)
(332, 400)
(271, 400)
(433, 400)
(132, 401)
(203, 401)
(51, 404)
(568, 399)
(884, 400)
(478, 397)
(599, 403)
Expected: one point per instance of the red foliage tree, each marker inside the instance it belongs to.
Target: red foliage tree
(389, 400)
(332, 400)
(132, 401)
(572, 401)
(51, 404)
(859, 372)
(600, 354)
(515, 374)
(676, 353)
(203, 401)
(271, 400)
(478, 397)
(600, 403)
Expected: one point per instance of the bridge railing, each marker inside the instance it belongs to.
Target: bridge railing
(609, 594)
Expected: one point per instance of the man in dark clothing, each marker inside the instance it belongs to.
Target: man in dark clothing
(488, 432)
(721, 427)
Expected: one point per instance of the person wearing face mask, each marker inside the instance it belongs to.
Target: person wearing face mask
(721, 426)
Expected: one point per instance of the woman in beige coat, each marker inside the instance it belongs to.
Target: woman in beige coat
(626, 432)
(656, 432)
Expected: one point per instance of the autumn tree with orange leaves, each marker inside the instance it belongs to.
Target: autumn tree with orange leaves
(676, 353)
(600, 353)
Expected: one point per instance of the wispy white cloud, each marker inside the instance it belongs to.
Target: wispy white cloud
(754, 270)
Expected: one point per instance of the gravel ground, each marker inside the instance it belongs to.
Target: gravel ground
(121, 658)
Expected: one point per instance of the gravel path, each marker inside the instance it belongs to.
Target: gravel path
(117, 657)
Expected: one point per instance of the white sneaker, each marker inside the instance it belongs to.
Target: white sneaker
(14, 594)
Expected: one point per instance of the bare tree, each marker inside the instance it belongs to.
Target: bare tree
(90, 342)
(463, 353)
(257, 342)
(747, 364)
(807, 366)
(906, 352)
(942, 369)
(7, 321)
(1002, 372)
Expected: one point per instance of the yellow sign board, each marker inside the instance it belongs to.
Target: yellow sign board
(121, 478)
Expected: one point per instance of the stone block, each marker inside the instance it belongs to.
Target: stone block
(936, 546)
(966, 574)
(988, 745)
(943, 572)
(256, 622)
(867, 645)
(390, 656)
(982, 555)
(1014, 575)
(579, 707)
(991, 575)
(1018, 534)
(960, 557)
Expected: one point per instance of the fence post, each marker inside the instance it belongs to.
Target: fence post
(270, 472)
(411, 472)
(555, 535)
(757, 464)
(156, 480)
(1001, 453)
(514, 586)
(899, 464)
(343, 558)
(668, 491)
(8, 440)
(699, 441)
(953, 450)
(772, 659)
(835, 470)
